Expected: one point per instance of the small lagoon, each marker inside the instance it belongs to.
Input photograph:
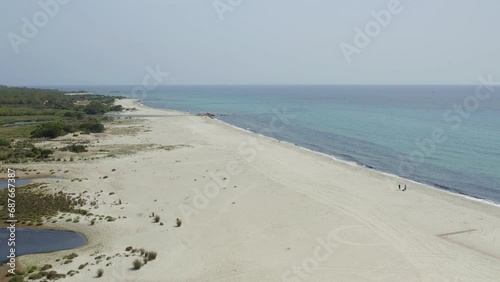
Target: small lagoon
(19, 182)
(33, 241)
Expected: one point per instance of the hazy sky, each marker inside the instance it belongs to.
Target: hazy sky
(248, 42)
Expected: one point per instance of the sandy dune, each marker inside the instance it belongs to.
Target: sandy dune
(255, 209)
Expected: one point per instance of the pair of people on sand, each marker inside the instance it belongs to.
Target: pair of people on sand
(399, 187)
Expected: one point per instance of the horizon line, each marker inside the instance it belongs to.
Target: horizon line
(292, 84)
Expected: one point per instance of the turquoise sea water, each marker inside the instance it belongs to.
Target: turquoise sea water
(445, 136)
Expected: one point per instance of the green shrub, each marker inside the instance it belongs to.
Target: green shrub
(47, 266)
(71, 256)
(36, 276)
(157, 218)
(76, 148)
(31, 269)
(117, 108)
(94, 108)
(17, 278)
(51, 274)
(33, 203)
(4, 142)
(92, 127)
(77, 115)
(69, 127)
(100, 272)
(69, 114)
(51, 129)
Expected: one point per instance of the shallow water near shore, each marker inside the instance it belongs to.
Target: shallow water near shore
(33, 241)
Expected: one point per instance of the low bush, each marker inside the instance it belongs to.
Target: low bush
(94, 108)
(4, 142)
(151, 255)
(36, 276)
(17, 278)
(51, 129)
(31, 269)
(52, 274)
(91, 127)
(71, 256)
(117, 108)
(137, 264)
(76, 148)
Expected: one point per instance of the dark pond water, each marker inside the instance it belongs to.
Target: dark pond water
(21, 123)
(31, 241)
(19, 182)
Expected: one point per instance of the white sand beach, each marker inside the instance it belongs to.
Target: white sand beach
(256, 209)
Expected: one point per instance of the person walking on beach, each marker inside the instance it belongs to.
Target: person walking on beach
(399, 186)
(404, 189)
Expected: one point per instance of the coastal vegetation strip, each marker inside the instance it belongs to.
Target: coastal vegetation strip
(35, 204)
(140, 257)
(38, 114)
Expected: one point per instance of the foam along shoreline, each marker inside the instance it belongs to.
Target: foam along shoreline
(257, 209)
